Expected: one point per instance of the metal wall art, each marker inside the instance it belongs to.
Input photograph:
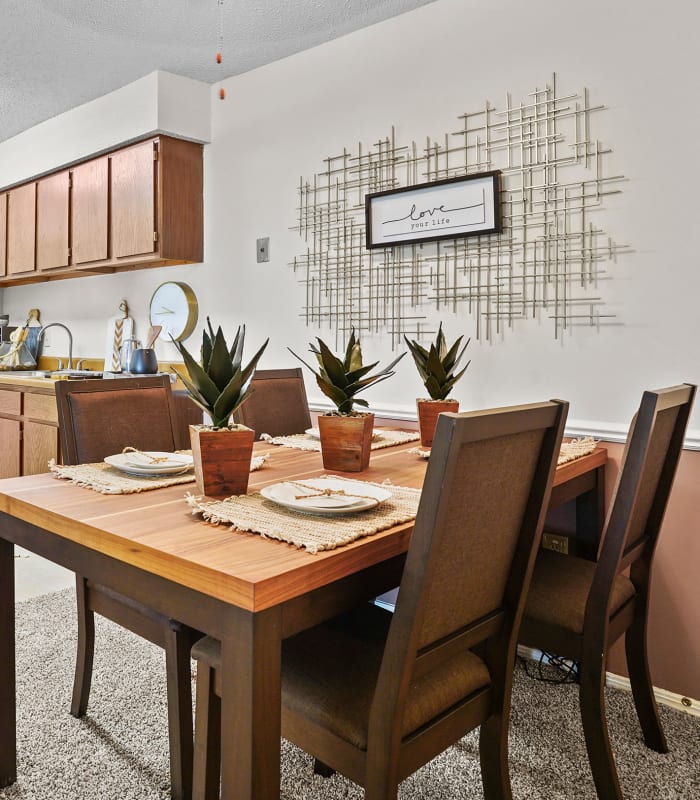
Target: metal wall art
(545, 263)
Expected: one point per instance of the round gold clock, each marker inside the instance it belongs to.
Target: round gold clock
(174, 307)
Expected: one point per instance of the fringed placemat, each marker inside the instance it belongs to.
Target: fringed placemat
(255, 514)
(570, 451)
(102, 478)
(576, 448)
(383, 437)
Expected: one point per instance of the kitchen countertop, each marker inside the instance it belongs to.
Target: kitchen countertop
(45, 385)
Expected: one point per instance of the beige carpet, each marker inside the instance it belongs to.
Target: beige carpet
(119, 751)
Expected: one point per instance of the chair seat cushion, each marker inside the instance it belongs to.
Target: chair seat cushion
(329, 674)
(560, 587)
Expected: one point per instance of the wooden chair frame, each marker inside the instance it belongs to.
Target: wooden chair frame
(603, 626)
(176, 639)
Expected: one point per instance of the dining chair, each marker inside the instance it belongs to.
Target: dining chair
(187, 413)
(376, 695)
(98, 418)
(277, 405)
(578, 608)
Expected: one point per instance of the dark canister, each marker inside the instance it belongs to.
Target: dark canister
(143, 362)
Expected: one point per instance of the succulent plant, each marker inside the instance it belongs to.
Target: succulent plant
(341, 380)
(219, 383)
(436, 366)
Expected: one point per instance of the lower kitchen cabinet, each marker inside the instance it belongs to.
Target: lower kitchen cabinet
(28, 432)
(10, 451)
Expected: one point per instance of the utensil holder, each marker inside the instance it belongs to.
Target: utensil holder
(143, 362)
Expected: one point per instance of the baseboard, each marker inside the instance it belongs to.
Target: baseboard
(676, 701)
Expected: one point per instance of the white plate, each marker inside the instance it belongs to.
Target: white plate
(146, 460)
(288, 495)
(176, 463)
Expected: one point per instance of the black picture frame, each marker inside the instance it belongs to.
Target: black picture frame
(453, 208)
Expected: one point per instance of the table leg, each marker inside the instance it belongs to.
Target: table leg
(251, 706)
(8, 698)
(590, 517)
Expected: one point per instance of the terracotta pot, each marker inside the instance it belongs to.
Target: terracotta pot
(222, 459)
(346, 441)
(428, 411)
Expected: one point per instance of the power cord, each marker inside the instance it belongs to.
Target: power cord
(566, 670)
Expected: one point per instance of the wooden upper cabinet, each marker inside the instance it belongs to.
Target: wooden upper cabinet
(3, 235)
(89, 211)
(137, 207)
(52, 221)
(133, 201)
(21, 229)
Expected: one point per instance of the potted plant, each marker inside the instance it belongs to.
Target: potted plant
(219, 384)
(346, 434)
(436, 368)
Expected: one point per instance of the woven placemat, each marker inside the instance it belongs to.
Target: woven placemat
(384, 437)
(570, 451)
(254, 514)
(102, 478)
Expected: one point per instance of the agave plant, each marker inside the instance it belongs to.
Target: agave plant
(342, 379)
(436, 366)
(219, 383)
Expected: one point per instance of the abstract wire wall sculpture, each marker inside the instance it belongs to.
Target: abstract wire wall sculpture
(547, 263)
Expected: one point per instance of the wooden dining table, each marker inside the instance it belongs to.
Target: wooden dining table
(248, 591)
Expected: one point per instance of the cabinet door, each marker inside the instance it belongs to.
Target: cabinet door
(52, 221)
(3, 235)
(40, 445)
(21, 229)
(9, 451)
(133, 201)
(89, 211)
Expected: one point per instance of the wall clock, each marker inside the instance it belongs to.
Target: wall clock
(174, 307)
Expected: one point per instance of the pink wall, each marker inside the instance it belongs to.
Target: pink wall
(674, 619)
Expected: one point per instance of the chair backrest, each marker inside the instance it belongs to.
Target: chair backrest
(652, 451)
(97, 418)
(473, 546)
(277, 405)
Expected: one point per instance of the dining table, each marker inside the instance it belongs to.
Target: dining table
(248, 591)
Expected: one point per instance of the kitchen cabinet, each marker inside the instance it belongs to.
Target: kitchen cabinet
(3, 235)
(28, 431)
(52, 200)
(133, 201)
(21, 230)
(157, 203)
(89, 211)
(137, 207)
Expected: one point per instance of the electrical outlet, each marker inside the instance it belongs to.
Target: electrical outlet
(556, 542)
(263, 246)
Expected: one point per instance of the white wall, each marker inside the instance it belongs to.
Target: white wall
(419, 72)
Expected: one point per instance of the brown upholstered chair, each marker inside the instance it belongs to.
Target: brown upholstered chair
(277, 405)
(187, 413)
(375, 695)
(98, 418)
(577, 608)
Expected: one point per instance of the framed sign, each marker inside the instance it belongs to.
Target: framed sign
(447, 209)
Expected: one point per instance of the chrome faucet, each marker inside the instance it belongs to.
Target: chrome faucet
(40, 339)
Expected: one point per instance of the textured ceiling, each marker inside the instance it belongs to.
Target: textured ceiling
(58, 54)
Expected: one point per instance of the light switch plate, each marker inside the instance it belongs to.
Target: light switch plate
(263, 246)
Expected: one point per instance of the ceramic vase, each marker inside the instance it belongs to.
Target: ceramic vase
(346, 441)
(222, 459)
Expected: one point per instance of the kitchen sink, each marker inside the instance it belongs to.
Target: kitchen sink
(57, 374)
